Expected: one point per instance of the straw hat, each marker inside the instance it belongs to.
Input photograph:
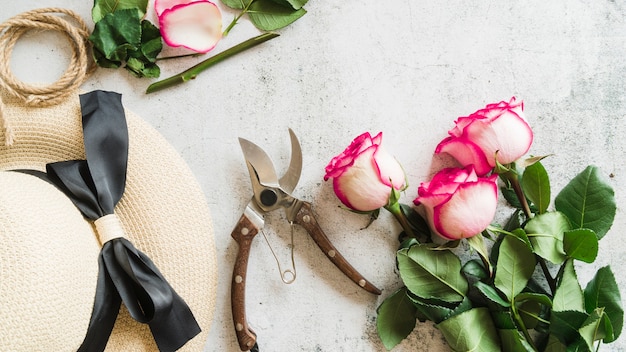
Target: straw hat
(48, 251)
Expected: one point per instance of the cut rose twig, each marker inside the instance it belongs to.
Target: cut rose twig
(194, 71)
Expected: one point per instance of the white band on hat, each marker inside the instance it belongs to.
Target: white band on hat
(108, 227)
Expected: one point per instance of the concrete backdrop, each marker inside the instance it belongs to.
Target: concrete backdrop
(403, 67)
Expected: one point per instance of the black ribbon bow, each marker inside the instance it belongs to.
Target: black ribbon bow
(95, 185)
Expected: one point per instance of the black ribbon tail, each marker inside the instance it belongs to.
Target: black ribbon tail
(105, 310)
(148, 297)
(180, 326)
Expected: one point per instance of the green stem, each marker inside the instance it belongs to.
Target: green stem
(544, 267)
(234, 21)
(499, 230)
(194, 71)
(399, 215)
(176, 56)
(512, 177)
(521, 325)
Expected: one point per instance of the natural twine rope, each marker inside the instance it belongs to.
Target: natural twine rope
(80, 67)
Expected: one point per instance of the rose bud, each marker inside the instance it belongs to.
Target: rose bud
(498, 129)
(458, 203)
(364, 174)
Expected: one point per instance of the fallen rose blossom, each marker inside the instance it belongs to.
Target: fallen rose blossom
(194, 25)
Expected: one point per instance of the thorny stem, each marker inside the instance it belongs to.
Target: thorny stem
(194, 71)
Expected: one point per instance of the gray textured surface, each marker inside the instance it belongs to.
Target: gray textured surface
(407, 68)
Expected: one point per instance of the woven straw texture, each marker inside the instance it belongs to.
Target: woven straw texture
(163, 211)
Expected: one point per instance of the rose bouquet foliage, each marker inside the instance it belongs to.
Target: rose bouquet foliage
(516, 289)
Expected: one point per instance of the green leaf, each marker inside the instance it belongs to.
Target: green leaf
(554, 345)
(464, 334)
(581, 244)
(491, 293)
(142, 61)
(236, 4)
(103, 61)
(478, 244)
(118, 33)
(432, 274)
(515, 266)
(602, 292)
(524, 163)
(534, 297)
(588, 201)
(568, 295)
(266, 15)
(503, 319)
(516, 220)
(416, 221)
(294, 4)
(564, 325)
(396, 318)
(103, 7)
(536, 186)
(474, 269)
(513, 341)
(592, 328)
(142, 69)
(437, 311)
(545, 232)
(529, 305)
(151, 43)
(511, 197)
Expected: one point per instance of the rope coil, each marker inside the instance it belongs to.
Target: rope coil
(80, 67)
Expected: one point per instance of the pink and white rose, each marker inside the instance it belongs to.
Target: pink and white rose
(458, 203)
(364, 174)
(498, 129)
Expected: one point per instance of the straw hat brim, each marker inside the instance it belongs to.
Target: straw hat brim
(163, 211)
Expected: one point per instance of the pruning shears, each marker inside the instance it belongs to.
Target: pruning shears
(271, 193)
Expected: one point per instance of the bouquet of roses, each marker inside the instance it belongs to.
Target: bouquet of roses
(517, 288)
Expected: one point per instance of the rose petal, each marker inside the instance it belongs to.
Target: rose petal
(509, 134)
(162, 5)
(359, 187)
(196, 26)
(465, 152)
(469, 211)
(391, 173)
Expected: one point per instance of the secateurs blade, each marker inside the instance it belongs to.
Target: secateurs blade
(271, 193)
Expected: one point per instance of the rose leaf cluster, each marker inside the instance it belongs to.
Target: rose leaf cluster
(122, 37)
(523, 293)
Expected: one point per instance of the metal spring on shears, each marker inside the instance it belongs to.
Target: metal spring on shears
(288, 276)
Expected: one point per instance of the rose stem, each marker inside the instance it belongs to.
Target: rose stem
(397, 212)
(194, 71)
(234, 21)
(511, 176)
(514, 180)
